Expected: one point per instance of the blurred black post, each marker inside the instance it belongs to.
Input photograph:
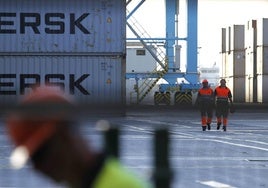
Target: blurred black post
(112, 141)
(162, 172)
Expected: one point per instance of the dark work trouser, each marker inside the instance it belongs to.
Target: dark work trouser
(222, 111)
(206, 110)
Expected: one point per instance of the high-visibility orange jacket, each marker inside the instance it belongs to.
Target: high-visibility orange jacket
(222, 93)
(205, 94)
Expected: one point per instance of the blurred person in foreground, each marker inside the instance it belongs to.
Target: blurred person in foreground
(42, 132)
(205, 100)
(223, 96)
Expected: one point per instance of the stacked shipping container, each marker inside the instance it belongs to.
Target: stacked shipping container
(234, 61)
(250, 47)
(262, 60)
(245, 60)
(78, 45)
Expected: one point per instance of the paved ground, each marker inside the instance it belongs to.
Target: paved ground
(236, 158)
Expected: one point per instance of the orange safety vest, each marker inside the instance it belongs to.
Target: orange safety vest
(223, 93)
(205, 94)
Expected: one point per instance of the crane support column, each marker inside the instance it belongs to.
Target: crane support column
(191, 72)
(171, 10)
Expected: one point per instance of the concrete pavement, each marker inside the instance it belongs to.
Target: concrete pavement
(236, 158)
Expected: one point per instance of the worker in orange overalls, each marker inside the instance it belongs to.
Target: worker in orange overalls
(222, 96)
(205, 102)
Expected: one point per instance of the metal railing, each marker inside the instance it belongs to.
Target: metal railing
(157, 53)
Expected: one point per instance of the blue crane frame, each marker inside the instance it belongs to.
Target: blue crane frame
(191, 73)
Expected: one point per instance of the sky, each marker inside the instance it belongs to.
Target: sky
(213, 15)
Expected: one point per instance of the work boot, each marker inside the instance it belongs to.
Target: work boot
(224, 128)
(218, 125)
(208, 124)
(204, 128)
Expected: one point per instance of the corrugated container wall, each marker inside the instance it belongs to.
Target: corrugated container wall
(250, 46)
(235, 63)
(262, 60)
(223, 51)
(237, 37)
(90, 79)
(63, 26)
(229, 65)
(79, 44)
(262, 25)
(223, 40)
